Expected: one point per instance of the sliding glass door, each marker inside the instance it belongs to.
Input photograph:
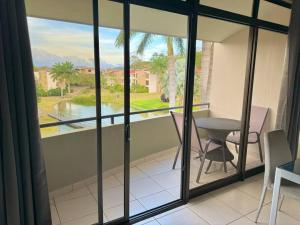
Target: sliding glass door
(158, 103)
(157, 83)
(112, 109)
(220, 69)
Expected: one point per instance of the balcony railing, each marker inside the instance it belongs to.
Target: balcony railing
(113, 116)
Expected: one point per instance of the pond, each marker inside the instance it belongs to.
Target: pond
(67, 110)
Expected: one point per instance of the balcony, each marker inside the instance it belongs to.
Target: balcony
(71, 167)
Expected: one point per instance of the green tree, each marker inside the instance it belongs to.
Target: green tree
(64, 73)
(159, 66)
(171, 42)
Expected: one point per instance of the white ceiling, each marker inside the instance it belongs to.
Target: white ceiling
(151, 20)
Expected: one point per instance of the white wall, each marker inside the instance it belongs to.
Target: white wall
(229, 68)
(228, 76)
(268, 72)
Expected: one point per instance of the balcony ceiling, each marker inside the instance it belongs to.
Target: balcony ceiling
(150, 20)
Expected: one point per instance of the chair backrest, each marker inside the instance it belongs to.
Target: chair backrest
(195, 140)
(257, 118)
(277, 152)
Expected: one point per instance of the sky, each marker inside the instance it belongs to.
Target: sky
(70, 39)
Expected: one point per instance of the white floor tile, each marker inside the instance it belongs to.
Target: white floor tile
(168, 179)
(170, 211)
(108, 182)
(79, 192)
(213, 211)
(243, 221)
(175, 191)
(236, 199)
(54, 215)
(153, 222)
(116, 212)
(61, 191)
(182, 217)
(154, 167)
(147, 221)
(86, 220)
(135, 174)
(144, 187)
(282, 218)
(135, 208)
(76, 208)
(157, 199)
(113, 197)
(254, 189)
(291, 207)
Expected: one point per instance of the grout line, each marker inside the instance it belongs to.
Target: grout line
(91, 193)
(238, 219)
(89, 214)
(57, 211)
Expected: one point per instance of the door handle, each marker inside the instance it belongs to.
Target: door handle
(127, 132)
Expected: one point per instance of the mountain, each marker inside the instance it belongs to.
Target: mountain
(43, 58)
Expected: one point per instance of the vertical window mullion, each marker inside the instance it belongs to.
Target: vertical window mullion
(126, 14)
(188, 99)
(98, 110)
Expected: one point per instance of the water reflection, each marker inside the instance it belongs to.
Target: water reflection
(67, 110)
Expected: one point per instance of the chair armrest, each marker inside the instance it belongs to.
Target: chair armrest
(254, 132)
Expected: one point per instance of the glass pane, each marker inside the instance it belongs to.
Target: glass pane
(112, 103)
(243, 7)
(63, 68)
(274, 13)
(221, 55)
(266, 99)
(62, 50)
(157, 79)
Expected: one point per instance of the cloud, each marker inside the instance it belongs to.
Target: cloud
(60, 39)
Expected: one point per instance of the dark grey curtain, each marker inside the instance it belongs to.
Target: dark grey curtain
(293, 79)
(23, 187)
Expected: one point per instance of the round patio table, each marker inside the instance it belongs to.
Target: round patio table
(218, 130)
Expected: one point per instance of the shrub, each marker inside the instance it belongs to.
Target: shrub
(85, 80)
(116, 88)
(40, 92)
(55, 92)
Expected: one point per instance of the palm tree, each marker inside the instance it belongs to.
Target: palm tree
(171, 42)
(64, 73)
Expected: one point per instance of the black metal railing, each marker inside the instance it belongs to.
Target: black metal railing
(113, 116)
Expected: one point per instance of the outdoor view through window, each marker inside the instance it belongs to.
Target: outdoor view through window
(65, 74)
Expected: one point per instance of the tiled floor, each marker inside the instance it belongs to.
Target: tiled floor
(154, 183)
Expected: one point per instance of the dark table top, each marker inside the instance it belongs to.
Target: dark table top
(218, 124)
(293, 166)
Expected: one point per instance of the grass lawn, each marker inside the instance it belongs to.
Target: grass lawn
(147, 104)
(138, 101)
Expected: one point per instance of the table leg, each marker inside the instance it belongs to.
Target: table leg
(275, 198)
(224, 157)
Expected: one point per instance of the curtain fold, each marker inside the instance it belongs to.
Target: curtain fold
(23, 185)
(292, 122)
